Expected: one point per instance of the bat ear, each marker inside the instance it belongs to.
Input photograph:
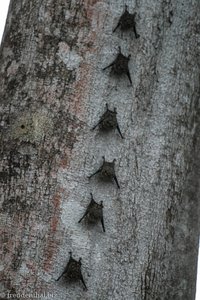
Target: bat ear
(101, 203)
(119, 49)
(114, 160)
(126, 7)
(70, 253)
(80, 260)
(129, 56)
(107, 106)
(103, 158)
(91, 196)
(115, 110)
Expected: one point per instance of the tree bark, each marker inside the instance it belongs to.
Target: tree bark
(53, 91)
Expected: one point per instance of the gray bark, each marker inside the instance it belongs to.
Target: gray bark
(53, 91)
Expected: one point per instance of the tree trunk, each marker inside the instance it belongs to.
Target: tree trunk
(53, 91)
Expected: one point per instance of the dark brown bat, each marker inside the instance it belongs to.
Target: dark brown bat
(109, 121)
(107, 170)
(73, 270)
(127, 21)
(94, 212)
(120, 65)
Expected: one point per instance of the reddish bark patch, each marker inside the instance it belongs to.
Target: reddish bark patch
(54, 223)
(91, 2)
(64, 163)
(56, 201)
(93, 14)
(82, 87)
(65, 160)
(49, 253)
(52, 242)
(31, 266)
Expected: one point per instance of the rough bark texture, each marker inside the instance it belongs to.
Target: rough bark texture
(53, 91)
